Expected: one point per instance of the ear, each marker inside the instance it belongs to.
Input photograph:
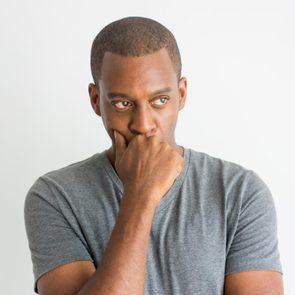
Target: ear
(94, 95)
(182, 88)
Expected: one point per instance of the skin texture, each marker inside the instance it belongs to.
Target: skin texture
(254, 283)
(139, 174)
(131, 100)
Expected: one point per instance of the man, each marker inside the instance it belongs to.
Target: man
(148, 216)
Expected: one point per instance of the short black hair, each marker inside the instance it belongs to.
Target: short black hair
(133, 36)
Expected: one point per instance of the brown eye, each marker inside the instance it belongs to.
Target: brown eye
(160, 101)
(122, 104)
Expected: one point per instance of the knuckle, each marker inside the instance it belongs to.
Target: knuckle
(153, 140)
(165, 146)
(138, 138)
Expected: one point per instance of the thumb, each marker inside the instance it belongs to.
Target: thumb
(120, 145)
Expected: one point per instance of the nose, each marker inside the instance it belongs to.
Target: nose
(142, 121)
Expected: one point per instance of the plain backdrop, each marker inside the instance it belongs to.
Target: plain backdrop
(238, 57)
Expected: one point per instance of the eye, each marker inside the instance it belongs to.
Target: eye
(122, 104)
(160, 101)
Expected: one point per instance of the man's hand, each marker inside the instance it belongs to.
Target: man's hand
(146, 166)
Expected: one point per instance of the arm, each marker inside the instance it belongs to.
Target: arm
(124, 265)
(254, 283)
(147, 169)
(123, 268)
(253, 262)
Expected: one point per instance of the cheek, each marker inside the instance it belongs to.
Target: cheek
(113, 120)
(166, 121)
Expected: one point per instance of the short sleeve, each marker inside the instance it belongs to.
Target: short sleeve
(254, 244)
(52, 241)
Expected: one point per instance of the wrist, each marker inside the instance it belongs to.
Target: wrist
(145, 197)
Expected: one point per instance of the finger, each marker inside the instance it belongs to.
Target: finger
(120, 144)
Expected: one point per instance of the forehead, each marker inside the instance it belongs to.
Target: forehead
(150, 71)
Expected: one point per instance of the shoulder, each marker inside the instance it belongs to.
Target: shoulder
(212, 166)
(73, 177)
(237, 184)
(75, 170)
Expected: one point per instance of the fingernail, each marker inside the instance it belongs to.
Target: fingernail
(115, 134)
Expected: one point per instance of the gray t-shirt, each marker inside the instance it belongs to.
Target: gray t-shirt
(216, 219)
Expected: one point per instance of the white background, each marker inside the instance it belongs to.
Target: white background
(238, 57)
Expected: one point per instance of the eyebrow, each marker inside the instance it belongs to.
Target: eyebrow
(112, 95)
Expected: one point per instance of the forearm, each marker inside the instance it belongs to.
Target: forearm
(123, 268)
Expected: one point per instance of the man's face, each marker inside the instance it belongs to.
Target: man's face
(139, 95)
